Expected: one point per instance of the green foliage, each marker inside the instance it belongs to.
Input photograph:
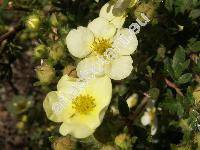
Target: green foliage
(194, 45)
(182, 6)
(176, 67)
(173, 105)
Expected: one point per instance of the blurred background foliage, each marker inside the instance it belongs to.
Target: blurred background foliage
(33, 57)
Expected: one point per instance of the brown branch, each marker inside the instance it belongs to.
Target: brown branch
(10, 34)
(174, 86)
(132, 117)
(139, 109)
(13, 87)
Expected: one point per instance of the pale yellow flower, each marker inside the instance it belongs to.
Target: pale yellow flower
(149, 118)
(132, 100)
(81, 115)
(98, 41)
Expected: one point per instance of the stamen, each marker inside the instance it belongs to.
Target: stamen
(100, 45)
(84, 104)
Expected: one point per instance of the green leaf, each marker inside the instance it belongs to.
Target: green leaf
(196, 68)
(179, 56)
(189, 97)
(154, 93)
(195, 46)
(182, 5)
(173, 106)
(123, 106)
(195, 13)
(193, 119)
(178, 60)
(52, 138)
(169, 5)
(185, 78)
(179, 64)
(185, 64)
(168, 67)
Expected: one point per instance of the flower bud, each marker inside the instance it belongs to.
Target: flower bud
(64, 143)
(62, 18)
(70, 71)
(33, 35)
(19, 105)
(53, 20)
(146, 119)
(45, 73)
(57, 51)
(23, 36)
(132, 3)
(114, 110)
(148, 116)
(24, 118)
(132, 100)
(147, 8)
(64, 30)
(20, 125)
(123, 141)
(120, 6)
(40, 51)
(180, 27)
(50, 128)
(33, 22)
(196, 95)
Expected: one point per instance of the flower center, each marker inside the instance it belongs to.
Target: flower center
(100, 45)
(83, 104)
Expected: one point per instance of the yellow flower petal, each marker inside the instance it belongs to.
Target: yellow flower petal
(101, 89)
(132, 100)
(125, 42)
(69, 87)
(102, 28)
(146, 119)
(102, 97)
(120, 68)
(91, 120)
(55, 110)
(75, 129)
(65, 82)
(108, 13)
(90, 67)
(118, 22)
(79, 41)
